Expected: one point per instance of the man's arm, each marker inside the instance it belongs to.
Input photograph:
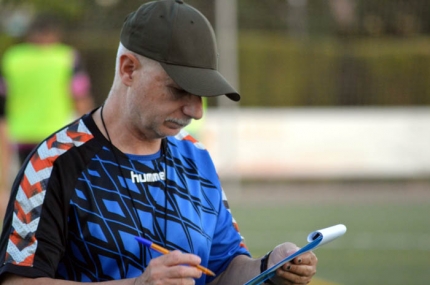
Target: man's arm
(81, 87)
(5, 150)
(4, 167)
(4, 154)
(243, 268)
(84, 105)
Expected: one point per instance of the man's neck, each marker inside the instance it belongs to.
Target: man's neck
(122, 138)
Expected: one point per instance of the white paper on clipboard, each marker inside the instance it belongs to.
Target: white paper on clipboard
(315, 239)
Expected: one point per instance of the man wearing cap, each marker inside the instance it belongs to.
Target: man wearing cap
(128, 170)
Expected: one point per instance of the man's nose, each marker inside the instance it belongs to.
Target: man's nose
(193, 107)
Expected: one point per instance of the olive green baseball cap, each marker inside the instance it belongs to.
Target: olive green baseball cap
(182, 40)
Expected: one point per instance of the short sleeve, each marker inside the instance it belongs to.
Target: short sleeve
(227, 241)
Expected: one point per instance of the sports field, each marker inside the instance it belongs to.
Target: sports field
(388, 236)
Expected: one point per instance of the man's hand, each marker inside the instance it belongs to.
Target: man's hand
(298, 271)
(172, 268)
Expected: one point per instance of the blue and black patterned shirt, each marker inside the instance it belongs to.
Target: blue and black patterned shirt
(79, 202)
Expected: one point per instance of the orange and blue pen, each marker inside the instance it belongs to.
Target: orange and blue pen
(162, 250)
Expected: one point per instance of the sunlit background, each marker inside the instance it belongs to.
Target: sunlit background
(333, 126)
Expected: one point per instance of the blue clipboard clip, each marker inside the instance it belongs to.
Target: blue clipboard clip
(315, 239)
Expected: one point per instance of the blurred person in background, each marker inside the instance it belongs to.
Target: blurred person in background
(43, 85)
(128, 169)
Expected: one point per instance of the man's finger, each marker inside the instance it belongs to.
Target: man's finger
(308, 258)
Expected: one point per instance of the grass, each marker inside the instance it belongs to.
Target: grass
(386, 242)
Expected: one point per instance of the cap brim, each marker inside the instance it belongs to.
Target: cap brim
(201, 81)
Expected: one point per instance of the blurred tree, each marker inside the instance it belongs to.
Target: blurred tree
(65, 8)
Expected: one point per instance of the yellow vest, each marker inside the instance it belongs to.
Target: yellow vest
(38, 80)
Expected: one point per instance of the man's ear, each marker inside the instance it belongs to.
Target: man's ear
(128, 64)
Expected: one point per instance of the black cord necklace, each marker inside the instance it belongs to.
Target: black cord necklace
(165, 185)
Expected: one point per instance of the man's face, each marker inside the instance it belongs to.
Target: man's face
(158, 106)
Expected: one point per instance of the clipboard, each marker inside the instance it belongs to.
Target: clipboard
(315, 239)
